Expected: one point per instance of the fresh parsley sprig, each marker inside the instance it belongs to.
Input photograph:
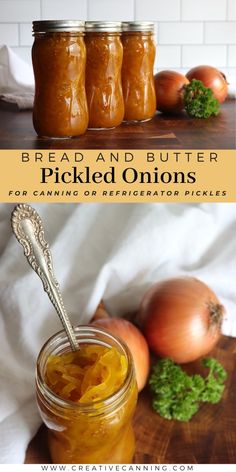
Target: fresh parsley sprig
(214, 382)
(178, 395)
(199, 101)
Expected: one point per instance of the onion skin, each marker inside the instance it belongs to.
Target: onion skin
(169, 86)
(134, 340)
(181, 319)
(211, 78)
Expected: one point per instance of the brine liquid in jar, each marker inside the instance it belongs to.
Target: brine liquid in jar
(87, 398)
(103, 74)
(138, 71)
(59, 57)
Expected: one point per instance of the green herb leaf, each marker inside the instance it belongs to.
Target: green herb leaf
(214, 382)
(199, 101)
(177, 395)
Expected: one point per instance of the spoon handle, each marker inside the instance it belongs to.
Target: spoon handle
(28, 229)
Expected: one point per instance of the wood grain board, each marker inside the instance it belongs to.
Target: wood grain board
(162, 132)
(209, 438)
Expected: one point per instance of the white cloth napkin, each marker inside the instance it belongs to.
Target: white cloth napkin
(16, 79)
(114, 252)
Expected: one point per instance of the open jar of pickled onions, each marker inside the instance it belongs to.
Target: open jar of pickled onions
(87, 398)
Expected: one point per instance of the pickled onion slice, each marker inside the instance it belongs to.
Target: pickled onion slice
(93, 373)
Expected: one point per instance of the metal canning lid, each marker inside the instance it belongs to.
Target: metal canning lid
(138, 26)
(54, 26)
(103, 26)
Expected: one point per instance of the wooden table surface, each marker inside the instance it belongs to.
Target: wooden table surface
(171, 132)
(209, 438)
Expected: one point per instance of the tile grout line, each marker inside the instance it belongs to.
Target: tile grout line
(197, 21)
(171, 22)
(197, 44)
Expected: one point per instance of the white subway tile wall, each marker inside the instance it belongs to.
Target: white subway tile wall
(25, 34)
(231, 10)
(158, 10)
(167, 55)
(111, 10)
(63, 9)
(204, 10)
(188, 32)
(221, 32)
(181, 33)
(18, 11)
(212, 55)
(9, 34)
(232, 56)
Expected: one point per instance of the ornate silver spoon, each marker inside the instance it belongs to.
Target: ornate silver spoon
(28, 229)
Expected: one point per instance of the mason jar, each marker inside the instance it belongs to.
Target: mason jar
(99, 432)
(137, 70)
(59, 57)
(103, 74)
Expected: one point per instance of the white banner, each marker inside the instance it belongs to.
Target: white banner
(117, 467)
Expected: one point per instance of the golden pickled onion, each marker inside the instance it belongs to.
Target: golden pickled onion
(93, 373)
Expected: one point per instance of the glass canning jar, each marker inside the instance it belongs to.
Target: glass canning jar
(103, 74)
(59, 58)
(88, 433)
(137, 70)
